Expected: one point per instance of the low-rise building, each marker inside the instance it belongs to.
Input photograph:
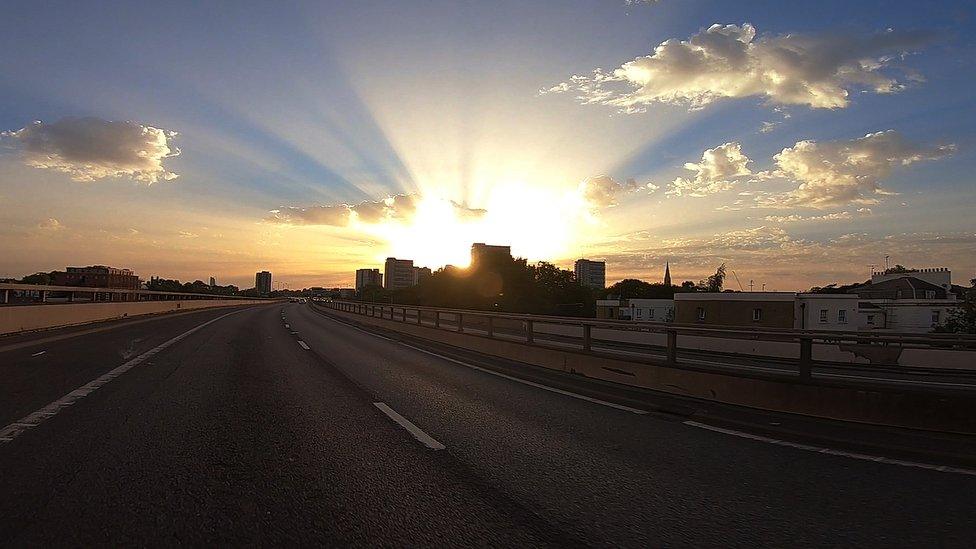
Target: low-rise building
(649, 310)
(833, 312)
(914, 301)
(736, 309)
(96, 276)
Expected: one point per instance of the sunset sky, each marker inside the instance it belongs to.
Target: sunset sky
(797, 142)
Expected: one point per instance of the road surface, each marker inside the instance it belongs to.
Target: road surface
(276, 425)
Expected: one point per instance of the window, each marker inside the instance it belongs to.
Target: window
(936, 317)
(650, 314)
(640, 313)
(870, 319)
(823, 315)
(929, 294)
(756, 315)
(842, 316)
(701, 314)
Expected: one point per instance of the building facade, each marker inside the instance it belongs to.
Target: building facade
(96, 276)
(833, 312)
(262, 282)
(368, 277)
(592, 274)
(398, 273)
(736, 309)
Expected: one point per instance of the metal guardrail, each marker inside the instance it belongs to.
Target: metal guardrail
(490, 324)
(37, 294)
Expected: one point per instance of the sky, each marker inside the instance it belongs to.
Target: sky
(798, 143)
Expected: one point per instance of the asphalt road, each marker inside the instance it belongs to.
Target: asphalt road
(248, 432)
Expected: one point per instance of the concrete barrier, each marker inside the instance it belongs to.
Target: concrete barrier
(898, 407)
(23, 318)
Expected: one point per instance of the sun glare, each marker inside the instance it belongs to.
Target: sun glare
(538, 222)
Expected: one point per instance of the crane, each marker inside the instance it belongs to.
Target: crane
(737, 280)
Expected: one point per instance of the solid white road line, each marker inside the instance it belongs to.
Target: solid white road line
(16, 428)
(418, 434)
(304, 345)
(831, 451)
(39, 353)
(499, 374)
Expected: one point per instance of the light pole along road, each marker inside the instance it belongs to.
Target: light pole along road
(277, 424)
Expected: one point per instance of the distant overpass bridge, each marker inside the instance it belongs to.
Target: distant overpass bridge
(27, 307)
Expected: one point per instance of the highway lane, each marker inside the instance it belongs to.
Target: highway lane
(237, 435)
(619, 478)
(244, 432)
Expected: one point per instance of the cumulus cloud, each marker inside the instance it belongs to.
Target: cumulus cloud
(717, 171)
(730, 61)
(849, 171)
(91, 148)
(603, 191)
(50, 224)
(396, 207)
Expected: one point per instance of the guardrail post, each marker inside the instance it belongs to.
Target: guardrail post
(587, 338)
(806, 357)
(437, 319)
(672, 347)
(418, 318)
(491, 326)
(404, 315)
(529, 335)
(460, 322)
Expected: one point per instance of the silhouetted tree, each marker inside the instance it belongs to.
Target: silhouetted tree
(38, 278)
(714, 282)
(962, 320)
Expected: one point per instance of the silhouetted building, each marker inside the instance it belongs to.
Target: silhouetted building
(213, 282)
(592, 274)
(262, 282)
(96, 276)
(481, 251)
(667, 273)
(368, 277)
(420, 274)
(398, 273)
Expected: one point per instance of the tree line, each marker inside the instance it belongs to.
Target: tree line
(513, 285)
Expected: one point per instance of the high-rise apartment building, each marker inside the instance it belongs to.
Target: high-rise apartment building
(262, 282)
(398, 273)
(368, 277)
(592, 274)
(481, 251)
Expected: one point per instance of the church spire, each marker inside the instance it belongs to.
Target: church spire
(667, 273)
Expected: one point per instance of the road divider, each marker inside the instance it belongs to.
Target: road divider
(870, 402)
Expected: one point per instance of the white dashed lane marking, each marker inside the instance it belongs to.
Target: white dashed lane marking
(417, 433)
(16, 428)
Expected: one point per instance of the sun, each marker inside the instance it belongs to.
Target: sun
(539, 223)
